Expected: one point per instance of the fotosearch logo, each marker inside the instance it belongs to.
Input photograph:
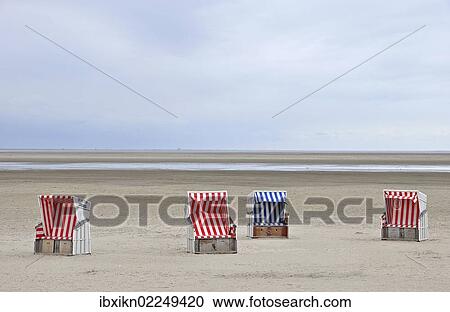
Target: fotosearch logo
(171, 210)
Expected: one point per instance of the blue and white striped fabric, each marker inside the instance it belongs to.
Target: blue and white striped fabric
(268, 208)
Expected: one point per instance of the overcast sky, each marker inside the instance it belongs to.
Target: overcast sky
(225, 68)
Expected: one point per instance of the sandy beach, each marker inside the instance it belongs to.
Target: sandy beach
(316, 257)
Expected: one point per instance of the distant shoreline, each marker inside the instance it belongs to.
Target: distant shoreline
(213, 151)
(328, 158)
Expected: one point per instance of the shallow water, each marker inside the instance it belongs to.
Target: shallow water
(224, 167)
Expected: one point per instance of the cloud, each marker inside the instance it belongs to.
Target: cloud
(225, 68)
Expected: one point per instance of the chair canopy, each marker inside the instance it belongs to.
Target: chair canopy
(208, 212)
(60, 215)
(268, 207)
(402, 208)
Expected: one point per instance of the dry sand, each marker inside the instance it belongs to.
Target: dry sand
(317, 257)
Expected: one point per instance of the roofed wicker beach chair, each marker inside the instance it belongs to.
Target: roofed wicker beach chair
(210, 230)
(406, 216)
(65, 227)
(266, 214)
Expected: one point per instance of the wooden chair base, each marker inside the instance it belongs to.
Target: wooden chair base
(270, 231)
(53, 247)
(213, 246)
(399, 234)
(59, 247)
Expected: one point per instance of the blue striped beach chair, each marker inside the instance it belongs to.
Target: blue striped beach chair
(267, 216)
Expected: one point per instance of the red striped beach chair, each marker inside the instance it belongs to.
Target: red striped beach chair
(210, 229)
(65, 227)
(406, 216)
(266, 214)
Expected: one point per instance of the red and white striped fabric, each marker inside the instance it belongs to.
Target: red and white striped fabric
(39, 231)
(209, 215)
(58, 216)
(402, 209)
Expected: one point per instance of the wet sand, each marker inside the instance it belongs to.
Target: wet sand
(67, 156)
(317, 257)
